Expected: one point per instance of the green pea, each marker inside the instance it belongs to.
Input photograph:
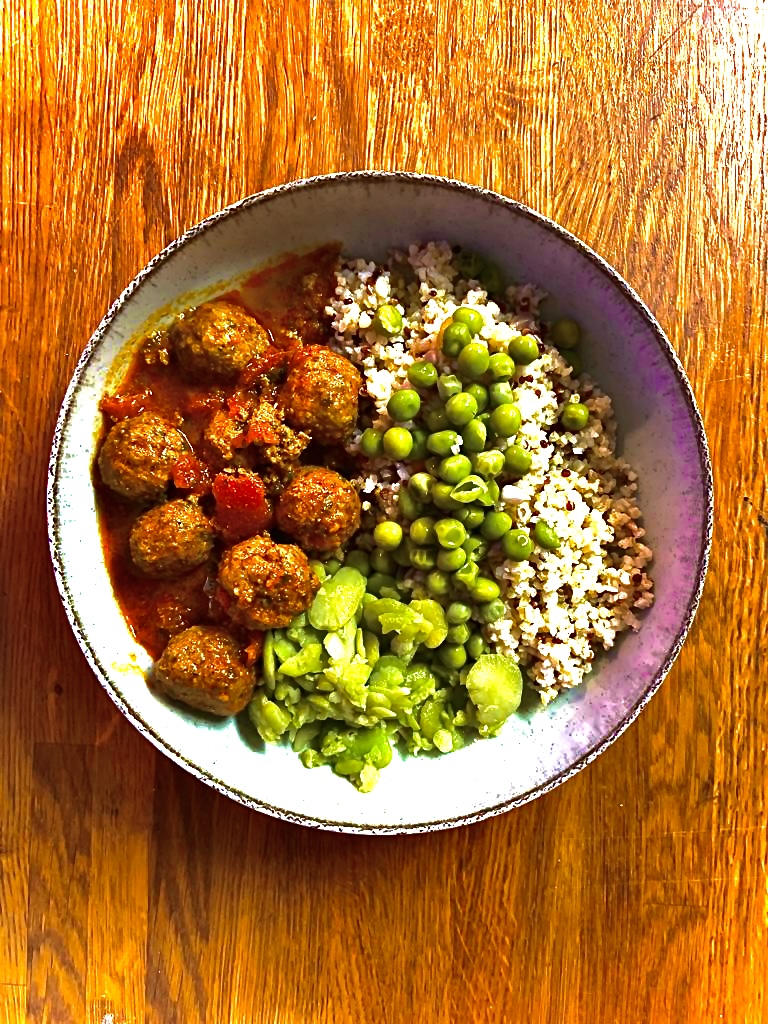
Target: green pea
(471, 488)
(387, 535)
(475, 547)
(469, 264)
(452, 655)
(491, 278)
(450, 533)
(495, 525)
(485, 589)
(467, 574)
(471, 516)
(576, 363)
(432, 464)
(438, 583)
(398, 443)
(388, 320)
(455, 337)
(332, 566)
(407, 505)
(372, 443)
(492, 492)
(501, 367)
(474, 436)
(448, 385)
(473, 320)
(575, 416)
(460, 409)
(501, 394)
(545, 536)
(505, 420)
(380, 581)
(420, 486)
(457, 612)
(402, 555)
(480, 395)
(383, 561)
(476, 646)
(404, 405)
(473, 360)
(492, 611)
(422, 374)
(358, 560)
(451, 560)
(517, 545)
(423, 558)
(454, 468)
(524, 349)
(565, 333)
(441, 442)
(419, 450)
(422, 531)
(489, 464)
(442, 496)
(458, 634)
(517, 460)
(437, 419)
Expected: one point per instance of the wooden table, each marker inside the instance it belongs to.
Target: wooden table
(636, 892)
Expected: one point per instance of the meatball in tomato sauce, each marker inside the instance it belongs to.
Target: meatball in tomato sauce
(320, 394)
(139, 454)
(319, 509)
(217, 340)
(171, 539)
(204, 667)
(264, 584)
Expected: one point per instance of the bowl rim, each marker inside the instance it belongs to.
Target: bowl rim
(451, 185)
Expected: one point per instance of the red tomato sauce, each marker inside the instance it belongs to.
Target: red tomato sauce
(289, 300)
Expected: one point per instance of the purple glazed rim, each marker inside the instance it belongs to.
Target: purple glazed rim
(54, 468)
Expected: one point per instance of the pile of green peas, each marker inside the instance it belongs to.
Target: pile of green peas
(462, 427)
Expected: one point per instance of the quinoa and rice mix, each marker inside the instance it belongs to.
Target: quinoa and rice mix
(563, 605)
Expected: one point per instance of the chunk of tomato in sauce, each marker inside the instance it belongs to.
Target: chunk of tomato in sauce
(190, 474)
(254, 649)
(123, 407)
(242, 508)
(262, 366)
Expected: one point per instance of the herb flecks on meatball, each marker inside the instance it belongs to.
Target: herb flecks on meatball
(264, 584)
(217, 340)
(320, 394)
(203, 667)
(138, 456)
(171, 539)
(319, 509)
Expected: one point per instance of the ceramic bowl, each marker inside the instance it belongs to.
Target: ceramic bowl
(660, 434)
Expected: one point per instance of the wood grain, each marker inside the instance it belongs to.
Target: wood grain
(638, 891)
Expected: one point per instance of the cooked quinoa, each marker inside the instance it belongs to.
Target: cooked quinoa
(562, 605)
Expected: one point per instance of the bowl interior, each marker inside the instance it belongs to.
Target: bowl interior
(660, 434)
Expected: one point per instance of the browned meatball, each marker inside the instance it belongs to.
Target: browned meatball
(203, 666)
(171, 539)
(319, 509)
(217, 340)
(138, 455)
(320, 394)
(264, 585)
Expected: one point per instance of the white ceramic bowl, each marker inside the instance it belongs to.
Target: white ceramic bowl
(660, 433)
